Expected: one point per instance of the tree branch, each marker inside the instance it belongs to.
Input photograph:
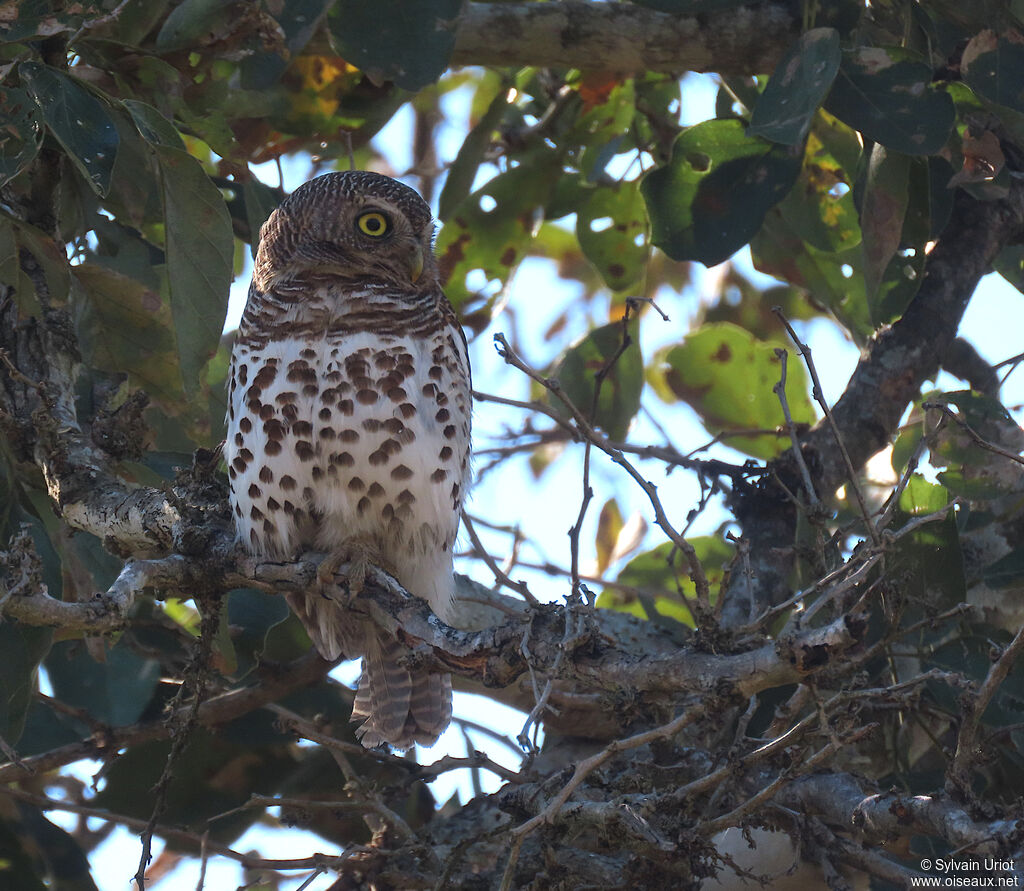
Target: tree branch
(624, 38)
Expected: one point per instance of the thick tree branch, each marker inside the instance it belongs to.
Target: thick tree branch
(902, 357)
(899, 360)
(624, 37)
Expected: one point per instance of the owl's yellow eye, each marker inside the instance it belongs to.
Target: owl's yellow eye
(373, 223)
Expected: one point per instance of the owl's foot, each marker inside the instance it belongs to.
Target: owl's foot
(360, 555)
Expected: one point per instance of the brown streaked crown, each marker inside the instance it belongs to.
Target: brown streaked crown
(315, 229)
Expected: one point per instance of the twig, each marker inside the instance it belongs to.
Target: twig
(520, 588)
(819, 397)
(589, 765)
(179, 836)
(780, 392)
(971, 432)
(771, 790)
(967, 739)
(650, 490)
(197, 682)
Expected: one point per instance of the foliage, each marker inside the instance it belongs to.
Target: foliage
(129, 136)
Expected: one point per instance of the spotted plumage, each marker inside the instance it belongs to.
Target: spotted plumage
(349, 422)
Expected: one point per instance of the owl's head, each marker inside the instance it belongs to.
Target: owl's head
(357, 226)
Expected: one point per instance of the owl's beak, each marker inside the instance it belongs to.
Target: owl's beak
(415, 260)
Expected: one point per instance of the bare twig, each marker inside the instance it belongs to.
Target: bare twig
(978, 439)
(780, 392)
(819, 397)
(973, 708)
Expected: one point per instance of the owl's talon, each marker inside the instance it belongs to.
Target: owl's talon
(359, 556)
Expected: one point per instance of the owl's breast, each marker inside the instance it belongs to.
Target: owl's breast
(342, 433)
(392, 429)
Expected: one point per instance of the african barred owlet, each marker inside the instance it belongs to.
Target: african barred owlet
(349, 424)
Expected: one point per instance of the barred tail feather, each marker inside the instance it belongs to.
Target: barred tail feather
(393, 706)
(397, 707)
(327, 625)
(430, 706)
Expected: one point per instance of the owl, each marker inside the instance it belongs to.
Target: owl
(349, 425)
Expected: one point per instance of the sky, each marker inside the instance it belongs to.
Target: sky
(546, 509)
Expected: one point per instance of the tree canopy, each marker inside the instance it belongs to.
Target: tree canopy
(804, 652)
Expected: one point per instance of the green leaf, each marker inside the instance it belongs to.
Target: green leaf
(463, 169)
(1009, 263)
(35, 18)
(125, 327)
(492, 229)
(212, 775)
(834, 279)
(663, 574)
(609, 526)
(884, 208)
(726, 375)
(929, 562)
(921, 497)
(887, 95)
(820, 207)
(134, 196)
(618, 398)
(22, 647)
(299, 20)
(797, 87)
(20, 857)
(260, 202)
(192, 20)
(993, 66)
(602, 131)
(31, 293)
(77, 119)
(712, 196)
(398, 40)
(199, 244)
(1006, 572)
(21, 132)
(976, 488)
(115, 692)
(251, 615)
(612, 229)
(153, 126)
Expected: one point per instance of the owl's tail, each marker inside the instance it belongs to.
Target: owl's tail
(395, 705)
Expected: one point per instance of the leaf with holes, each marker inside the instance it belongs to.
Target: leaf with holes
(797, 87)
(712, 196)
(21, 132)
(78, 120)
(599, 364)
(835, 279)
(820, 207)
(726, 375)
(408, 43)
(887, 94)
(612, 229)
(491, 230)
